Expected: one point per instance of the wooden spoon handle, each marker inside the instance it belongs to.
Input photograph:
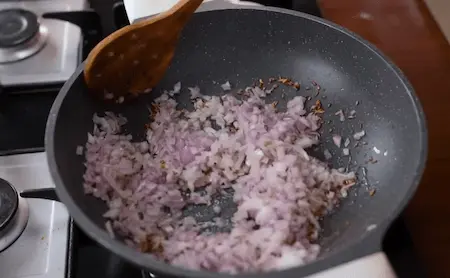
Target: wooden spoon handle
(183, 10)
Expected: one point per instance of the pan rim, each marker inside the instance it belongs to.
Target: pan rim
(368, 244)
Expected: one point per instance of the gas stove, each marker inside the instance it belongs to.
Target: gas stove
(47, 40)
(36, 50)
(40, 47)
(34, 241)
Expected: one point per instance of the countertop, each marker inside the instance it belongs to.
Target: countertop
(406, 31)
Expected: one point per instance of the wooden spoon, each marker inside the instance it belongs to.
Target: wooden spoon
(134, 59)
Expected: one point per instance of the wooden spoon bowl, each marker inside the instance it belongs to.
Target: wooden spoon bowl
(132, 60)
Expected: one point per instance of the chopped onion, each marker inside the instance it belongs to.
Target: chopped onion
(176, 89)
(195, 92)
(346, 142)
(340, 113)
(376, 150)
(108, 95)
(345, 151)
(79, 150)
(120, 100)
(109, 229)
(337, 139)
(217, 209)
(190, 157)
(226, 86)
(352, 114)
(359, 135)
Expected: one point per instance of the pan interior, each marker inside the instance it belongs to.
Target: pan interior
(241, 46)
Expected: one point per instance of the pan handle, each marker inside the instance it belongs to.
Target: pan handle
(40, 193)
(372, 266)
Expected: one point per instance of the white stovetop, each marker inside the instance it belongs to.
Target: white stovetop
(40, 252)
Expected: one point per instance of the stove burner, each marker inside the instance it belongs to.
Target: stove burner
(13, 215)
(9, 201)
(17, 26)
(21, 35)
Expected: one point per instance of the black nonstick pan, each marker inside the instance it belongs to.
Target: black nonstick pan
(244, 45)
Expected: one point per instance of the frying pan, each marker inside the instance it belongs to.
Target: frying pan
(241, 46)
